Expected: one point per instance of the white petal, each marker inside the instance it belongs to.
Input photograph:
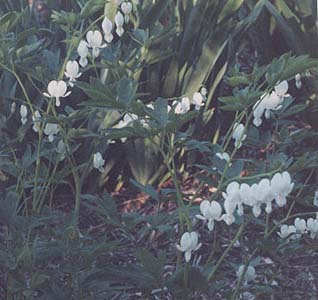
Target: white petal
(281, 88)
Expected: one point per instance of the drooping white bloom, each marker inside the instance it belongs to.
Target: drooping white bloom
(13, 107)
(223, 155)
(315, 202)
(72, 71)
(210, 212)
(197, 100)
(258, 110)
(238, 135)
(188, 244)
(126, 8)
(23, 114)
(300, 225)
(119, 21)
(249, 275)
(231, 202)
(51, 129)
(286, 230)
(107, 26)
(36, 118)
(281, 185)
(57, 90)
(263, 195)
(312, 226)
(95, 41)
(204, 92)
(82, 51)
(182, 106)
(298, 81)
(98, 162)
(127, 119)
(270, 102)
(281, 88)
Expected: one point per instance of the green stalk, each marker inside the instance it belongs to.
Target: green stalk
(228, 249)
(241, 278)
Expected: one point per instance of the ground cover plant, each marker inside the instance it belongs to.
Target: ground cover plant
(158, 149)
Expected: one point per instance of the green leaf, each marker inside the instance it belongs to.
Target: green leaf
(8, 208)
(91, 7)
(290, 38)
(126, 90)
(152, 16)
(229, 9)
(8, 21)
(152, 265)
(147, 189)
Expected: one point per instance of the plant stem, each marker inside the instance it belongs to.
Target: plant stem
(241, 278)
(237, 236)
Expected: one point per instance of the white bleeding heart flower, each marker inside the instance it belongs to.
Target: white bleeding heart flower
(119, 21)
(51, 129)
(210, 212)
(298, 81)
(127, 119)
(36, 118)
(286, 231)
(95, 41)
(315, 201)
(182, 106)
(98, 162)
(300, 225)
(72, 71)
(13, 107)
(204, 92)
(270, 102)
(23, 114)
(264, 195)
(312, 226)
(250, 273)
(82, 51)
(107, 26)
(223, 156)
(57, 90)
(281, 185)
(198, 100)
(231, 202)
(258, 110)
(126, 8)
(281, 89)
(238, 135)
(189, 244)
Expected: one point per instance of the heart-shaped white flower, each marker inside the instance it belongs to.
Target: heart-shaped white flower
(188, 244)
(210, 212)
(57, 90)
(107, 26)
(72, 71)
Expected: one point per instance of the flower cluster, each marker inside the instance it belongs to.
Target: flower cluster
(183, 106)
(262, 193)
(300, 227)
(94, 38)
(270, 102)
